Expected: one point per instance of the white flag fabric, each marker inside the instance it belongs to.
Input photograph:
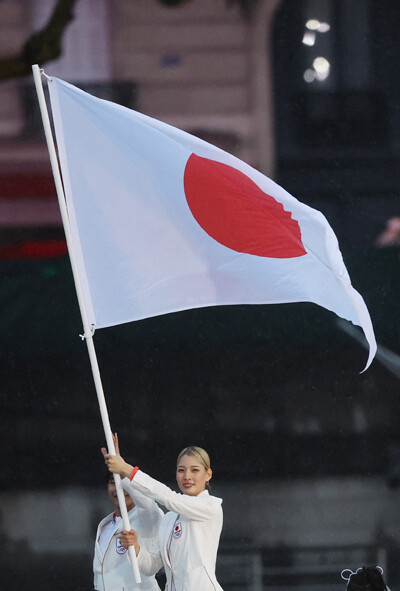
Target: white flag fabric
(162, 221)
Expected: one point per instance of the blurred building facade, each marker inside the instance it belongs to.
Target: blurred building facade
(196, 66)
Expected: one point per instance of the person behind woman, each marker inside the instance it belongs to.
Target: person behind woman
(366, 578)
(189, 534)
(112, 569)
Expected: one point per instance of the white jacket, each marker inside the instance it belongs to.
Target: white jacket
(113, 571)
(188, 537)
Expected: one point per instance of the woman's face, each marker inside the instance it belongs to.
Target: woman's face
(191, 475)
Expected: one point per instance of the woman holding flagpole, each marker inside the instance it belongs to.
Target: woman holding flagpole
(189, 533)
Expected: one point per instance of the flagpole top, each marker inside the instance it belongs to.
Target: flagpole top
(37, 71)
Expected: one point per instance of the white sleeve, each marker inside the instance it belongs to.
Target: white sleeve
(148, 512)
(139, 498)
(150, 561)
(199, 508)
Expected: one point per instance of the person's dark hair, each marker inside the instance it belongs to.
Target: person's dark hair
(108, 476)
(367, 578)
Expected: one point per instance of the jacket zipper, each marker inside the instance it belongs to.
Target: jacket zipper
(170, 562)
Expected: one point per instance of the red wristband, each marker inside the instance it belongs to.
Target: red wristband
(136, 468)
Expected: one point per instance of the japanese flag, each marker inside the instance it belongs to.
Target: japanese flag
(162, 221)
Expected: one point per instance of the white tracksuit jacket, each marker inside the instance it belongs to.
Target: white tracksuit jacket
(188, 537)
(113, 571)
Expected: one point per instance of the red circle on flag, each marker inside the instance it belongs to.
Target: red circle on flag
(235, 212)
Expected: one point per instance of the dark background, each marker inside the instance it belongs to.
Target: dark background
(238, 380)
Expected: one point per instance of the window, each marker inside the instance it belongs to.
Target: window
(328, 93)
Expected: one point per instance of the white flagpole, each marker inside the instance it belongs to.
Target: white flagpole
(88, 334)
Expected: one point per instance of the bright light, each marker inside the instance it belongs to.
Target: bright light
(323, 28)
(309, 38)
(321, 65)
(319, 71)
(313, 24)
(309, 75)
(321, 76)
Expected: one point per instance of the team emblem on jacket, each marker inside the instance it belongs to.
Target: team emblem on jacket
(119, 547)
(177, 530)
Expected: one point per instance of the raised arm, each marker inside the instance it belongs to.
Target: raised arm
(148, 512)
(199, 508)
